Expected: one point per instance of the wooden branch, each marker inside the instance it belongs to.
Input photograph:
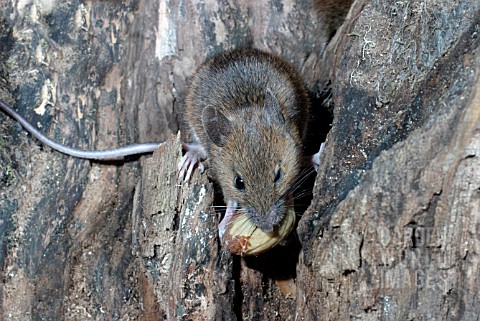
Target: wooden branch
(178, 241)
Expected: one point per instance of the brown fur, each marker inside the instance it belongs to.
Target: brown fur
(262, 108)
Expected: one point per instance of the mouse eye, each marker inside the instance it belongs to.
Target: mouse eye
(238, 183)
(278, 174)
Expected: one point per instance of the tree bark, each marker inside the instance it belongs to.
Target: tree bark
(392, 230)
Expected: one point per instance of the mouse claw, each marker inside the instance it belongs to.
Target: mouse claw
(183, 164)
(186, 165)
(194, 160)
(193, 156)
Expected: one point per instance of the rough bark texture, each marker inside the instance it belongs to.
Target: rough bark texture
(392, 232)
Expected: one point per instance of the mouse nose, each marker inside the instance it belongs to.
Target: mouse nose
(261, 218)
(272, 218)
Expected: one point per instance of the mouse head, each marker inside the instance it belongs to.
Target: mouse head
(256, 155)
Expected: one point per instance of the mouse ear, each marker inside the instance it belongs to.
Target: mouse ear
(216, 125)
(272, 108)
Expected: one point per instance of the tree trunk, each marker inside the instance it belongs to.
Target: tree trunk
(392, 230)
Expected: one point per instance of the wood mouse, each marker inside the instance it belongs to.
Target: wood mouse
(248, 112)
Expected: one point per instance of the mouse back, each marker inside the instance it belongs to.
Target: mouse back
(239, 78)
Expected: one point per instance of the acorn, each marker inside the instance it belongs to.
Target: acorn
(243, 238)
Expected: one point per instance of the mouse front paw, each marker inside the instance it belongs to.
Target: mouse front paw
(314, 160)
(194, 155)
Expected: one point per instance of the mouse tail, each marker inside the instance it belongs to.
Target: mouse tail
(105, 154)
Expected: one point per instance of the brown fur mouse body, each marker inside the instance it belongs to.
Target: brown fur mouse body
(248, 111)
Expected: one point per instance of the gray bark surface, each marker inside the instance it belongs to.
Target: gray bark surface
(392, 231)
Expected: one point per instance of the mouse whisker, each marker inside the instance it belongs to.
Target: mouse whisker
(302, 177)
(302, 194)
(218, 206)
